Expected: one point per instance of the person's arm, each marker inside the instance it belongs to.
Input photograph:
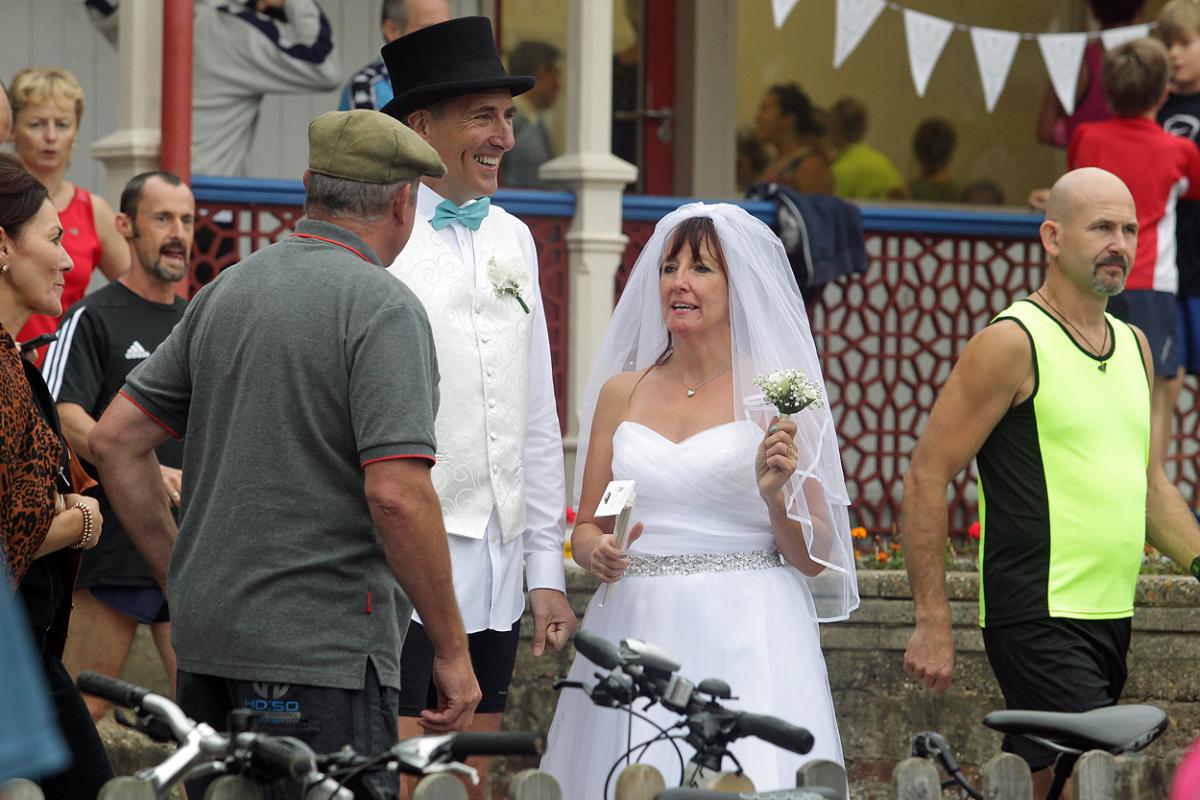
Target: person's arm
(114, 255)
(994, 372)
(122, 445)
(545, 489)
(1170, 524)
(260, 54)
(774, 462)
(592, 543)
(408, 516)
(69, 524)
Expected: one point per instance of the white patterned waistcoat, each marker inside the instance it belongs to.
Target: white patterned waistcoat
(483, 344)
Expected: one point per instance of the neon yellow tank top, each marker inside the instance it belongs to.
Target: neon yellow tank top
(1062, 481)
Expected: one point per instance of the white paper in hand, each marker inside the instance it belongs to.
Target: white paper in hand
(617, 501)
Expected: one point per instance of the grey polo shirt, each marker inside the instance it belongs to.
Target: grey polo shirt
(289, 373)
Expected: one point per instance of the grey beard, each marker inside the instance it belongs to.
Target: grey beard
(1103, 289)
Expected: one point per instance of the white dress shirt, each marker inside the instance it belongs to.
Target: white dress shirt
(487, 572)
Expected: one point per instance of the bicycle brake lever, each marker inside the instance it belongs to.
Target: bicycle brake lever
(152, 727)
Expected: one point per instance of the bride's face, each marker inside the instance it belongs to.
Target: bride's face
(694, 290)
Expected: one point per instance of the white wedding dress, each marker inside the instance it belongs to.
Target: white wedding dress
(753, 628)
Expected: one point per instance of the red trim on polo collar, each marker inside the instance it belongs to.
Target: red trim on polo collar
(334, 242)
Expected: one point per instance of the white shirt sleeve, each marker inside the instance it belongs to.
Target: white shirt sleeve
(545, 484)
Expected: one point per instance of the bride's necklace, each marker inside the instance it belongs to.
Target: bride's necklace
(691, 390)
(1099, 351)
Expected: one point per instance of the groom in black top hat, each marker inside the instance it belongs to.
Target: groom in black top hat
(499, 471)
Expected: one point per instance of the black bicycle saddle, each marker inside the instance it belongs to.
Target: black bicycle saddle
(1116, 729)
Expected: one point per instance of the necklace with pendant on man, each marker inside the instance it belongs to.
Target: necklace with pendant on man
(691, 390)
(1103, 367)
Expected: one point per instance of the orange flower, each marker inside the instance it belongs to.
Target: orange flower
(858, 533)
(881, 557)
(895, 547)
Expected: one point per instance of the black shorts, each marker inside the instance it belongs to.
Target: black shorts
(493, 654)
(146, 604)
(1057, 665)
(325, 718)
(1157, 314)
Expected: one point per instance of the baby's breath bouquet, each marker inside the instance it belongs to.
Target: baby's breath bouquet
(506, 275)
(789, 390)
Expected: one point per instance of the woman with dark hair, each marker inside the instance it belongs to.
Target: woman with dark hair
(46, 524)
(791, 125)
(741, 538)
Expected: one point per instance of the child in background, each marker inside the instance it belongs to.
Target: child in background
(1179, 29)
(1158, 169)
(933, 145)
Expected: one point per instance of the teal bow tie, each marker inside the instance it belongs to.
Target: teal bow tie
(470, 215)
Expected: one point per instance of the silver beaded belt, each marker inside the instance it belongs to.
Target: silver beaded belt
(695, 563)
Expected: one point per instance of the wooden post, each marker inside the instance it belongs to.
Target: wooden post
(639, 782)
(1140, 775)
(441, 786)
(533, 784)
(916, 779)
(823, 774)
(1006, 777)
(1094, 777)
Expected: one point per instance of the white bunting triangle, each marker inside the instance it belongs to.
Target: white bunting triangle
(1115, 37)
(994, 51)
(926, 37)
(854, 19)
(1063, 53)
(781, 9)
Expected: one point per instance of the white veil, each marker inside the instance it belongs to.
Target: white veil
(770, 331)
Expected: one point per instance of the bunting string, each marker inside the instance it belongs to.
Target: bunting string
(926, 36)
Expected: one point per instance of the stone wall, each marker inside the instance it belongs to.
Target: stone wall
(878, 707)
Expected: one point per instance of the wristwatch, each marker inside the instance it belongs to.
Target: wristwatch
(1196, 568)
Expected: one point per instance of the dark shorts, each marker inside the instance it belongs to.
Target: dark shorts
(324, 718)
(1189, 333)
(146, 604)
(1157, 315)
(493, 654)
(1057, 665)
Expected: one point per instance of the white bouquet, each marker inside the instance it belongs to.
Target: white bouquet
(506, 275)
(789, 390)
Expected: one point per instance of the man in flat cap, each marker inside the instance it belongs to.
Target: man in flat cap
(307, 382)
(500, 469)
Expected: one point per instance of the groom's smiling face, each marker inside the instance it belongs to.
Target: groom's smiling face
(471, 134)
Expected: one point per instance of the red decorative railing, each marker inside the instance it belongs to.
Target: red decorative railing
(888, 338)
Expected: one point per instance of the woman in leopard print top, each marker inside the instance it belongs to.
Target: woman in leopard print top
(43, 524)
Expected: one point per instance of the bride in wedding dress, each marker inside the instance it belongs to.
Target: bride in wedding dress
(741, 542)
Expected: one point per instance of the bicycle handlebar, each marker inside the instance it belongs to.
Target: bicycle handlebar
(776, 731)
(499, 743)
(599, 651)
(123, 694)
(282, 756)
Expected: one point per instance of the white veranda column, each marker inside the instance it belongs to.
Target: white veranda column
(133, 146)
(597, 177)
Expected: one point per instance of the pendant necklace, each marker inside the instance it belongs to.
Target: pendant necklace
(691, 390)
(1103, 367)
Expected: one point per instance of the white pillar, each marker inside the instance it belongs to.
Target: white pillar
(133, 147)
(588, 167)
(705, 98)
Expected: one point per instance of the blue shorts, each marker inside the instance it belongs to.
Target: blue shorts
(146, 604)
(1157, 315)
(1189, 333)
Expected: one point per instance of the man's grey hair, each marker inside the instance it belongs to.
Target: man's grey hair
(397, 12)
(340, 197)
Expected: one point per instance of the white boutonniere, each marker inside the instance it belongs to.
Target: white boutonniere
(506, 275)
(789, 390)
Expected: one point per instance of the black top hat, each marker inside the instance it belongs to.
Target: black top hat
(445, 60)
